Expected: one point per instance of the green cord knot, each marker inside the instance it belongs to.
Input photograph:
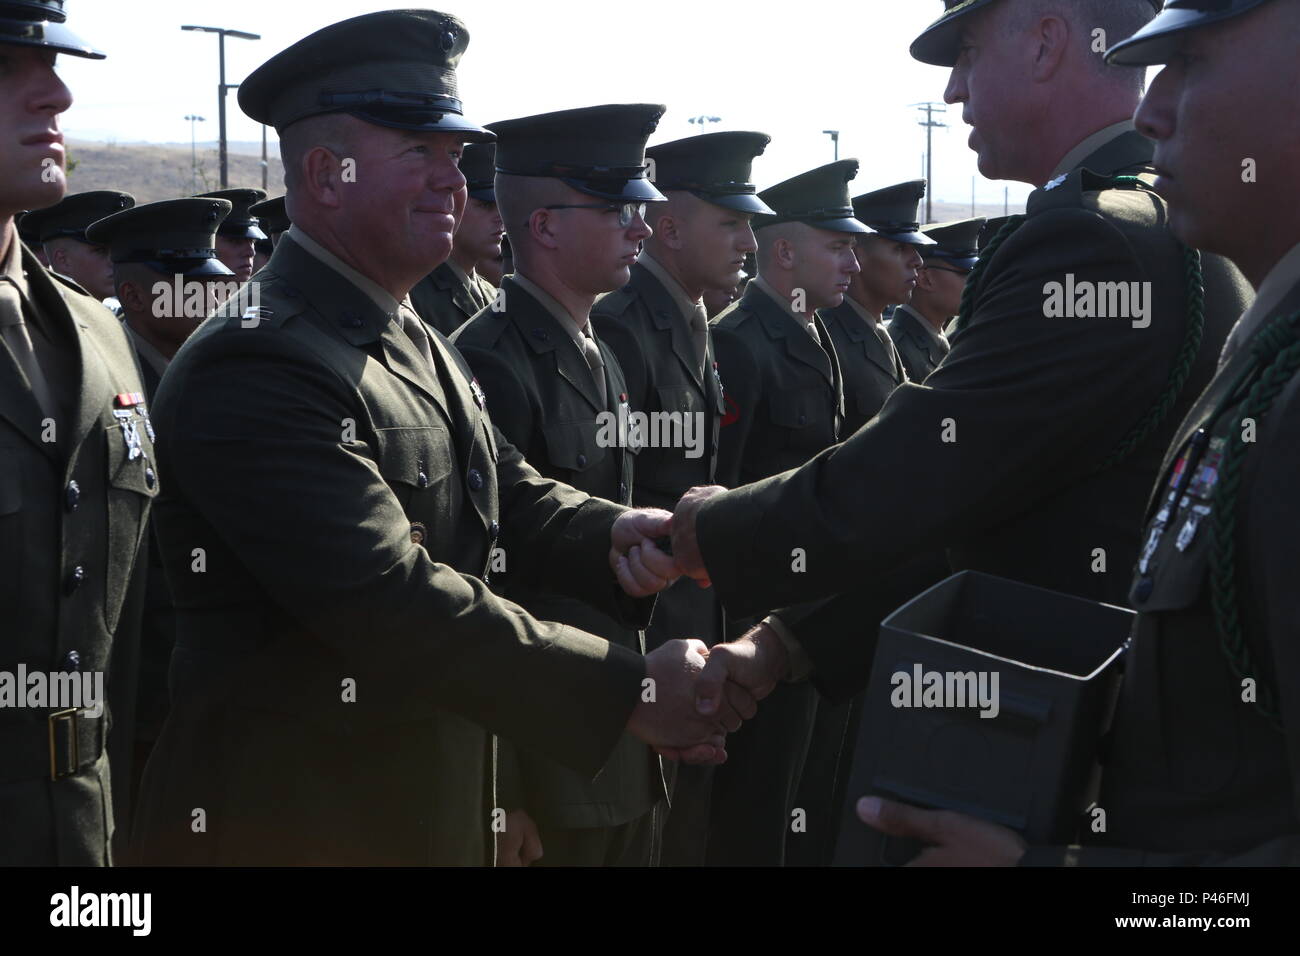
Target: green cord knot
(1275, 358)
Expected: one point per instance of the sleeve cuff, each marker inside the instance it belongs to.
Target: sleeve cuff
(800, 664)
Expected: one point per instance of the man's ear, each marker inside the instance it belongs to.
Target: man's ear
(543, 228)
(1052, 38)
(784, 253)
(668, 231)
(322, 176)
(58, 257)
(132, 297)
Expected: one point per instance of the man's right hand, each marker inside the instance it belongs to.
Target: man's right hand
(668, 716)
(753, 663)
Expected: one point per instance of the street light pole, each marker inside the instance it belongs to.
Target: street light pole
(834, 134)
(194, 159)
(223, 87)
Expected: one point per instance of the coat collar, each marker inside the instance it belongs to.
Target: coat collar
(94, 380)
(1111, 151)
(354, 314)
(914, 326)
(856, 326)
(780, 323)
(448, 277)
(667, 314)
(545, 331)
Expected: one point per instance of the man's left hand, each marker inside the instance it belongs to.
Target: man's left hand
(958, 840)
(641, 568)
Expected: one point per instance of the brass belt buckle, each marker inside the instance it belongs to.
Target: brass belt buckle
(69, 716)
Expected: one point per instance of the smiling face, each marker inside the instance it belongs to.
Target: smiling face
(1216, 113)
(398, 212)
(31, 147)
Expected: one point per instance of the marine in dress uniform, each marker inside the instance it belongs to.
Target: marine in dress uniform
(553, 388)
(1201, 769)
(918, 325)
(165, 244)
(77, 477)
(872, 368)
(272, 218)
(868, 357)
(1057, 425)
(1200, 764)
(61, 230)
(337, 489)
(453, 293)
(785, 402)
(658, 328)
(240, 231)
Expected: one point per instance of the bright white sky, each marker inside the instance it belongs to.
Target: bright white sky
(787, 69)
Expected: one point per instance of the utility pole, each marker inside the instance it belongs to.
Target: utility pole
(834, 134)
(930, 125)
(223, 86)
(194, 159)
(264, 162)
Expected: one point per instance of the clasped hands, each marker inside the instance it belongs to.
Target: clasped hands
(641, 567)
(693, 695)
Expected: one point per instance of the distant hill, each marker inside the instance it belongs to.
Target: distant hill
(152, 172)
(948, 211)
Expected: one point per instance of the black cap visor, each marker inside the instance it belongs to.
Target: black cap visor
(1158, 41)
(837, 221)
(191, 267)
(958, 262)
(431, 112)
(240, 230)
(908, 235)
(940, 44)
(739, 202)
(53, 36)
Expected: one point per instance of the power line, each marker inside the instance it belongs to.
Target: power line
(930, 124)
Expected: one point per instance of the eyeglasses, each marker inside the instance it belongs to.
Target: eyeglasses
(626, 211)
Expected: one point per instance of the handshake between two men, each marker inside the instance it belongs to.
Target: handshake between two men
(694, 695)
